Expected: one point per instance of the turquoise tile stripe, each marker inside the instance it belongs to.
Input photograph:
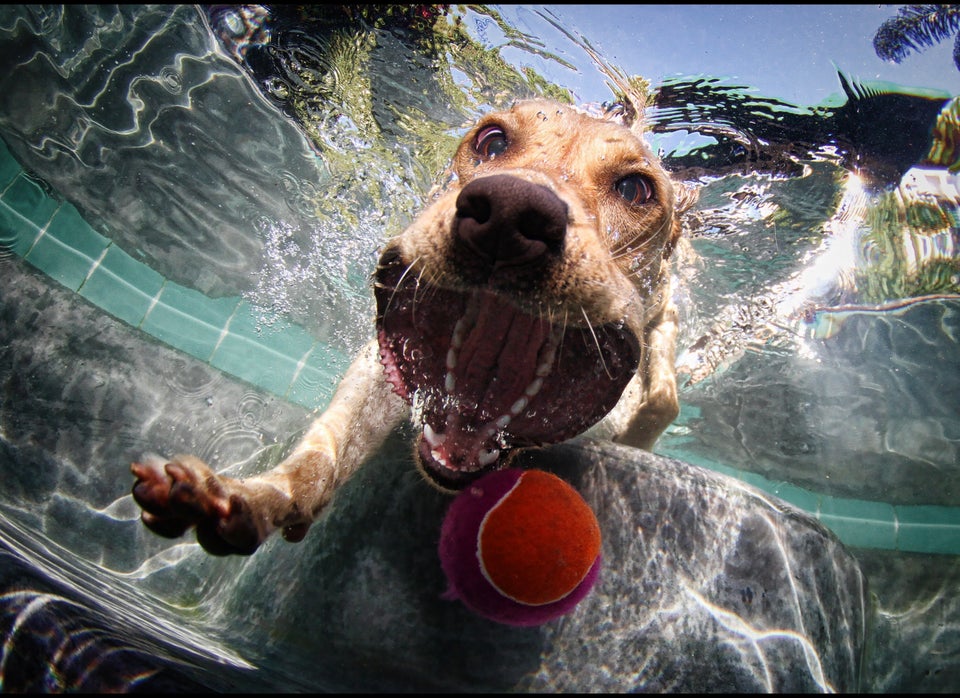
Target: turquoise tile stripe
(122, 286)
(859, 523)
(187, 319)
(271, 365)
(69, 248)
(53, 237)
(286, 361)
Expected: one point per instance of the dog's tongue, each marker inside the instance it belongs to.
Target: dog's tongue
(497, 359)
(483, 375)
(494, 367)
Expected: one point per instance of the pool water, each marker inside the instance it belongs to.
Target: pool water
(191, 203)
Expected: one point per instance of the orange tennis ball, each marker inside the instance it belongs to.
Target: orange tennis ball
(520, 547)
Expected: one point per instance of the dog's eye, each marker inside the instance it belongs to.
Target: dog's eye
(635, 189)
(490, 142)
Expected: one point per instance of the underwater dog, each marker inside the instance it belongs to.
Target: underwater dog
(528, 303)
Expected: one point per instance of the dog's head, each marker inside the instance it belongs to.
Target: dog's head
(511, 312)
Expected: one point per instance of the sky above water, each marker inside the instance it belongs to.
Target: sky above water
(790, 52)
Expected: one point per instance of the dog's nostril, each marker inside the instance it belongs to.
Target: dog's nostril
(475, 206)
(507, 220)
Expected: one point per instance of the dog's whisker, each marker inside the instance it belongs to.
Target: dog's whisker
(597, 342)
(631, 247)
(640, 269)
(399, 283)
(419, 287)
(563, 332)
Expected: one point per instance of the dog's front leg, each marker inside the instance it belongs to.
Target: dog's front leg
(236, 516)
(660, 405)
(649, 403)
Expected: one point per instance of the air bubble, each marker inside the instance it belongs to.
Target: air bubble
(171, 80)
(277, 88)
(233, 23)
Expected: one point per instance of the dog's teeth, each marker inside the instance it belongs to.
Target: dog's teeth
(451, 359)
(546, 363)
(439, 457)
(449, 383)
(458, 332)
(486, 457)
(433, 439)
(502, 421)
(534, 387)
(519, 406)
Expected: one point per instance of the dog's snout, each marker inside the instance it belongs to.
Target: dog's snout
(508, 221)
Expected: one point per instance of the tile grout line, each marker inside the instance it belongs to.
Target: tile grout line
(10, 183)
(96, 265)
(224, 333)
(896, 529)
(30, 225)
(153, 304)
(300, 364)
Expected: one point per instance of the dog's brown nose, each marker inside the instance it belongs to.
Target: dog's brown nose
(506, 221)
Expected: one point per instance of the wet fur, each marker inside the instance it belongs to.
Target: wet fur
(614, 267)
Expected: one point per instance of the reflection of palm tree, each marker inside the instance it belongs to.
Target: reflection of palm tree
(915, 28)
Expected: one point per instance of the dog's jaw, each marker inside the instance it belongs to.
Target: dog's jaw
(484, 376)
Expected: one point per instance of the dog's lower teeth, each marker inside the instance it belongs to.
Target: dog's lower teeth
(432, 437)
(486, 458)
(456, 341)
(518, 406)
(534, 387)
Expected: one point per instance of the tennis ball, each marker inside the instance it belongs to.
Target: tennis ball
(520, 547)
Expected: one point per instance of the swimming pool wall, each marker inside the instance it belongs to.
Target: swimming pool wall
(283, 359)
(287, 361)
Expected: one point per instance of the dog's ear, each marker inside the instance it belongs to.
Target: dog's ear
(684, 197)
(630, 96)
(629, 108)
(624, 112)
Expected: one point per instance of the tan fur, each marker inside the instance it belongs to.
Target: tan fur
(614, 269)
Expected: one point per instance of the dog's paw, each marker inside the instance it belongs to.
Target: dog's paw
(185, 492)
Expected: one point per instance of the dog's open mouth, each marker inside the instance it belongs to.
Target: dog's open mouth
(484, 376)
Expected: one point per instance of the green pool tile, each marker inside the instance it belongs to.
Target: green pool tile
(60, 262)
(16, 233)
(688, 412)
(122, 286)
(9, 167)
(317, 379)
(69, 227)
(860, 523)
(68, 249)
(188, 320)
(289, 340)
(758, 481)
(797, 496)
(269, 358)
(694, 458)
(928, 529)
(24, 210)
(27, 198)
